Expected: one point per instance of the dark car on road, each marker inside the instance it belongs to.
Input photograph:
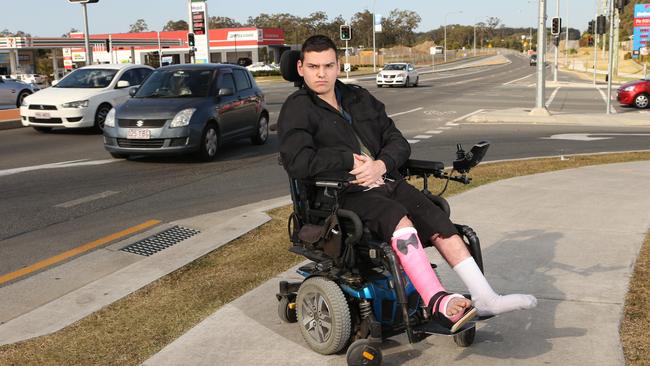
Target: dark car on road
(188, 108)
(636, 93)
(532, 60)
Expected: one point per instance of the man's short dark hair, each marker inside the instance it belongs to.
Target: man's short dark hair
(317, 43)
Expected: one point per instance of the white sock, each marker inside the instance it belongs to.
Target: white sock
(484, 299)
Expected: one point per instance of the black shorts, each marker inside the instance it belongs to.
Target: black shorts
(383, 207)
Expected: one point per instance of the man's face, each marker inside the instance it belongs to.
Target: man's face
(320, 70)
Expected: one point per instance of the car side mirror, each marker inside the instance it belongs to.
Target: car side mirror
(122, 84)
(55, 82)
(224, 92)
(467, 160)
(132, 91)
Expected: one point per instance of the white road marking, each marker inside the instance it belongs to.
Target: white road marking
(400, 113)
(513, 81)
(63, 164)
(602, 93)
(532, 85)
(444, 128)
(435, 132)
(467, 115)
(587, 136)
(413, 141)
(92, 197)
(550, 99)
(423, 137)
(451, 124)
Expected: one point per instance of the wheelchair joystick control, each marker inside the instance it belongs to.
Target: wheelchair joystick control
(460, 153)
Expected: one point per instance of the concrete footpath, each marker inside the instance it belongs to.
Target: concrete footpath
(569, 237)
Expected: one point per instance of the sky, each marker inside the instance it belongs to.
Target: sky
(52, 18)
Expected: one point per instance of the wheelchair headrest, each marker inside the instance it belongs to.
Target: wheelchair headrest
(289, 66)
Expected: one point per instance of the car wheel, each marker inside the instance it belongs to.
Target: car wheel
(262, 133)
(43, 129)
(119, 156)
(209, 143)
(406, 83)
(379, 85)
(641, 101)
(100, 116)
(23, 94)
(417, 80)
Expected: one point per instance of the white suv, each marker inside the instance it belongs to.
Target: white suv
(82, 98)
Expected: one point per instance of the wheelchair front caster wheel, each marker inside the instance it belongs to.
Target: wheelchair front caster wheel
(466, 338)
(362, 352)
(287, 309)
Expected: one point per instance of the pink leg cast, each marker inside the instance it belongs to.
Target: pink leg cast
(414, 260)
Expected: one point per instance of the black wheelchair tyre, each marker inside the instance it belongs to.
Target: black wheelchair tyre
(466, 338)
(285, 312)
(321, 303)
(362, 352)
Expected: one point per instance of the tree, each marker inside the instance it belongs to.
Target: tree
(400, 27)
(72, 30)
(7, 33)
(139, 26)
(223, 22)
(175, 26)
(362, 28)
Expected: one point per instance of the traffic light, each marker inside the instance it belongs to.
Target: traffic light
(556, 26)
(601, 24)
(620, 5)
(590, 29)
(346, 32)
(190, 39)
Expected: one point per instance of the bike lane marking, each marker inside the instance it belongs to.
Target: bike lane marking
(76, 251)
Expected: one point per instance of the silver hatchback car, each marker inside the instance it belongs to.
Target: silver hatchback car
(188, 108)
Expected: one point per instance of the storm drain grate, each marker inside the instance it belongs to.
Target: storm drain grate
(160, 241)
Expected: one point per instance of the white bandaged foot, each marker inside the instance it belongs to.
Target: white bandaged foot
(484, 299)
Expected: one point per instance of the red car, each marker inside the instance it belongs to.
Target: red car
(636, 93)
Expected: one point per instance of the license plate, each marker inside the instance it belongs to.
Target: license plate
(138, 133)
(43, 115)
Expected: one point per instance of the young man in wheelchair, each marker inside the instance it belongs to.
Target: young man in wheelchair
(330, 129)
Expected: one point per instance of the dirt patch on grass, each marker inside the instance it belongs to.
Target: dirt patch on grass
(132, 329)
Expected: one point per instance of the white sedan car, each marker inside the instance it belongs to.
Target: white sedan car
(400, 73)
(82, 98)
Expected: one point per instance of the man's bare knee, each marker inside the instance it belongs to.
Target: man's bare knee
(404, 222)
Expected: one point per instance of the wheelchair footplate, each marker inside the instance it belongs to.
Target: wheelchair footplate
(433, 328)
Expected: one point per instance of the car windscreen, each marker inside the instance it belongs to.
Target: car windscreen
(395, 67)
(88, 78)
(176, 84)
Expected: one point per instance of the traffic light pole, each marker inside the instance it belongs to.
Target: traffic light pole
(540, 107)
(557, 45)
(347, 71)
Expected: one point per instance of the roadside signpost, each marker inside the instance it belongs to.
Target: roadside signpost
(198, 12)
(641, 29)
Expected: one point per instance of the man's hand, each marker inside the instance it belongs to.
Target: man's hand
(368, 172)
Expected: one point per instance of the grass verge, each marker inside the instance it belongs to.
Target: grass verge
(132, 329)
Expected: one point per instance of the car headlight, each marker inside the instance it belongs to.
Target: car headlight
(629, 88)
(182, 118)
(110, 118)
(76, 104)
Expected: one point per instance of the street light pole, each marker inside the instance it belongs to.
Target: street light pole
(374, 51)
(446, 15)
(474, 39)
(566, 42)
(89, 51)
(611, 56)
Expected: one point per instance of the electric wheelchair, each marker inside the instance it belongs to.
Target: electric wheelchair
(355, 292)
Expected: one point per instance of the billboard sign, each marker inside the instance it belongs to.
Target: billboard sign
(641, 28)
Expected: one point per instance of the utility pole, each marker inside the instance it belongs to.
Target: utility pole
(611, 56)
(540, 107)
(566, 42)
(595, 35)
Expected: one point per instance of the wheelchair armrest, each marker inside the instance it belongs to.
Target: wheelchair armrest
(422, 167)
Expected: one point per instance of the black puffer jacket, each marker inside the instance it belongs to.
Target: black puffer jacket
(317, 141)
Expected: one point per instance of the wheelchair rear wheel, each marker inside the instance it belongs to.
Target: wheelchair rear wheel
(323, 315)
(466, 338)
